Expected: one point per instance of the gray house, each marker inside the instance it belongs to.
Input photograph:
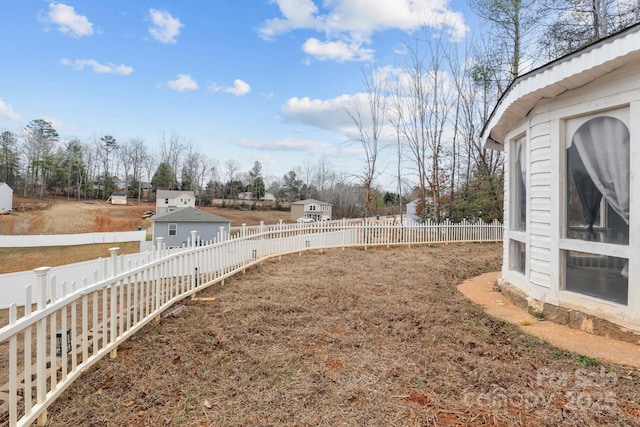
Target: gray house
(176, 226)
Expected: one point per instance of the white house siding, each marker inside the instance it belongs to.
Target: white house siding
(506, 273)
(540, 202)
(601, 77)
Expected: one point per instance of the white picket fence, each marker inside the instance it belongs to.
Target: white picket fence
(77, 322)
(38, 240)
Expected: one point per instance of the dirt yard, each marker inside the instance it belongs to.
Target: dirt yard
(379, 337)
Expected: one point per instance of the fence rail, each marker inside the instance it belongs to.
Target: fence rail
(24, 241)
(77, 322)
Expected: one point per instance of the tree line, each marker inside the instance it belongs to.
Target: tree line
(37, 164)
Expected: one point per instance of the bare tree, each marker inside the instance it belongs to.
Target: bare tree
(575, 23)
(324, 178)
(149, 165)
(105, 147)
(511, 31)
(306, 171)
(231, 167)
(369, 124)
(137, 152)
(172, 149)
(396, 118)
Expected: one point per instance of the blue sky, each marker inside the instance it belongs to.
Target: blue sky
(264, 80)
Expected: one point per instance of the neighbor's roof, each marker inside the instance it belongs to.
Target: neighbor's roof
(189, 214)
(307, 201)
(170, 193)
(568, 72)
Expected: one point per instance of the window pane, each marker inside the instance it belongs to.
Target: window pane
(517, 256)
(598, 181)
(518, 189)
(599, 276)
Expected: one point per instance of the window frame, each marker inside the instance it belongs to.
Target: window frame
(518, 237)
(567, 244)
(569, 126)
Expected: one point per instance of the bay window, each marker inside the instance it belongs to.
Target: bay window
(597, 205)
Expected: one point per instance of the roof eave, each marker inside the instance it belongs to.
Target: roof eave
(568, 72)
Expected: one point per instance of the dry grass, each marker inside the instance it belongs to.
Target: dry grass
(23, 259)
(378, 337)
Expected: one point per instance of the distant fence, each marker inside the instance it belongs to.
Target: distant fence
(37, 240)
(79, 320)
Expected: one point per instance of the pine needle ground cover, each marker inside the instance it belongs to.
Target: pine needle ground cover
(377, 337)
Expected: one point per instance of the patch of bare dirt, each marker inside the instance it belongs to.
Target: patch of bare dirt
(378, 337)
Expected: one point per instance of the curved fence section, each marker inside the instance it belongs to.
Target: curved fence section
(73, 323)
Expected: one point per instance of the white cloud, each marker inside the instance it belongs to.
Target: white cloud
(280, 144)
(349, 24)
(98, 68)
(164, 27)
(239, 88)
(182, 83)
(68, 21)
(325, 114)
(338, 51)
(7, 112)
(306, 147)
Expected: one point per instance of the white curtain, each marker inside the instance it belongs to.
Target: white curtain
(603, 146)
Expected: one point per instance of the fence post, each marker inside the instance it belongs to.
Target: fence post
(114, 265)
(159, 246)
(41, 344)
(194, 235)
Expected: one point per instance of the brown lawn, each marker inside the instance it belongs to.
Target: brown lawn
(351, 338)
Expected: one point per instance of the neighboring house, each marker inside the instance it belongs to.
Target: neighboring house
(117, 199)
(268, 197)
(6, 197)
(569, 130)
(170, 200)
(311, 208)
(245, 195)
(176, 226)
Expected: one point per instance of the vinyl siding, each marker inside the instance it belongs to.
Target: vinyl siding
(540, 203)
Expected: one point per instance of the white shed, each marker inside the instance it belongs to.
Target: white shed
(6, 197)
(571, 131)
(412, 209)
